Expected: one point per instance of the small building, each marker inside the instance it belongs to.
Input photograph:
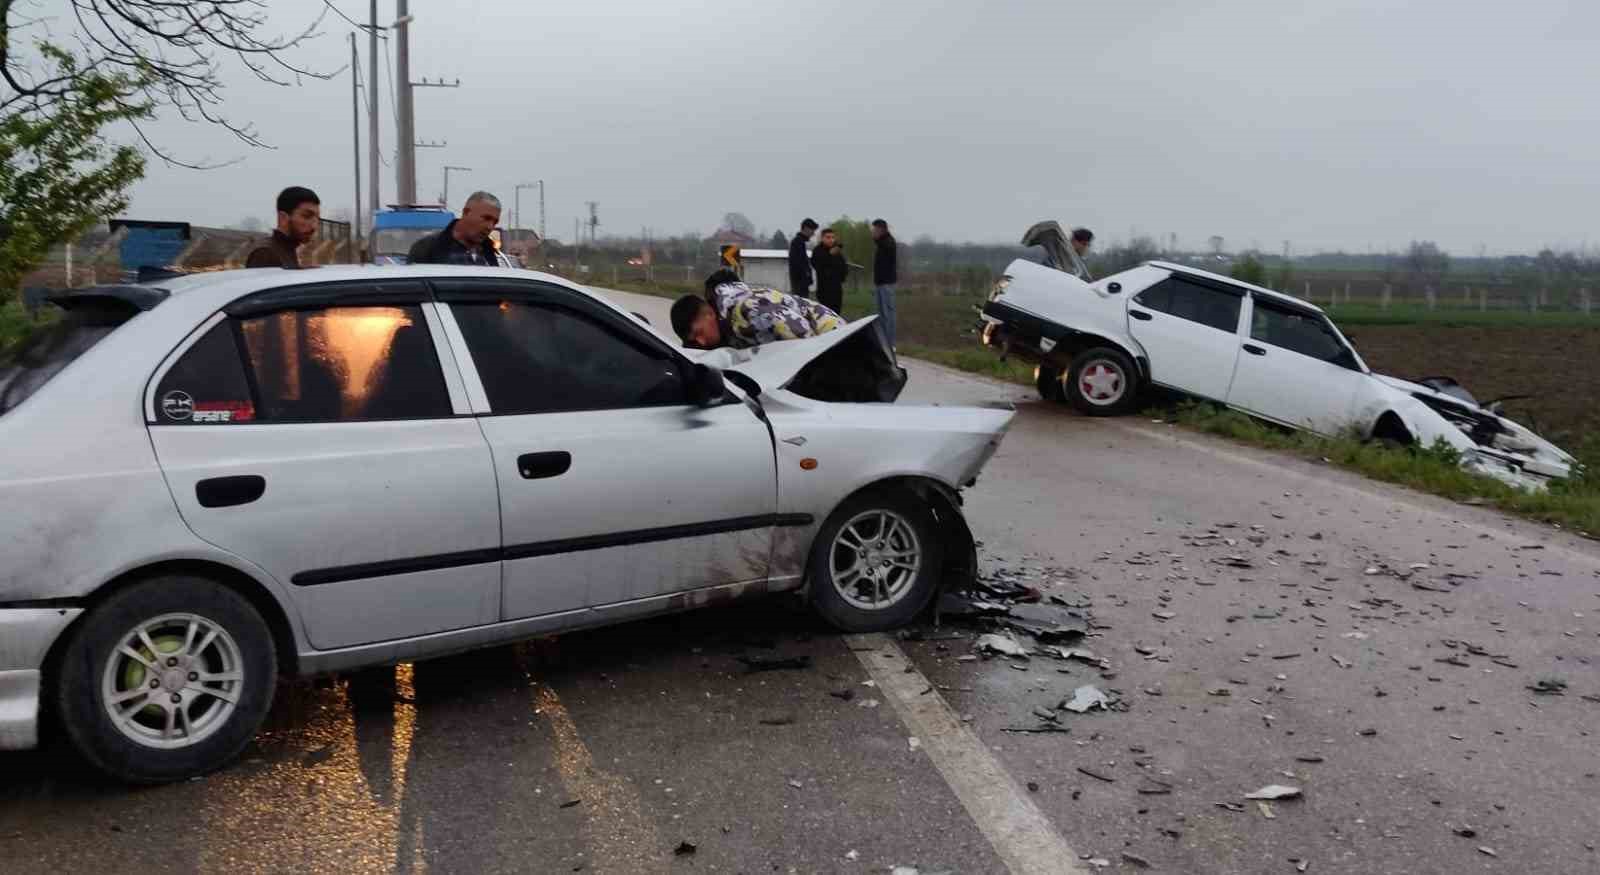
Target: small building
(769, 268)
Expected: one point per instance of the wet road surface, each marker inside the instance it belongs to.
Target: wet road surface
(1265, 621)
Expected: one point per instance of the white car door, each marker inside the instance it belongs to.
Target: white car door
(1295, 368)
(1190, 329)
(615, 491)
(325, 444)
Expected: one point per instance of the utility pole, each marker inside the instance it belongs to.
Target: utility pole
(520, 186)
(594, 219)
(541, 210)
(447, 169)
(355, 142)
(404, 112)
(375, 94)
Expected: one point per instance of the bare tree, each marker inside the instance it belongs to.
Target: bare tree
(166, 53)
(739, 222)
(1426, 263)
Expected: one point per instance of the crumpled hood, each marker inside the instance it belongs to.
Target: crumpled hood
(1490, 443)
(775, 365)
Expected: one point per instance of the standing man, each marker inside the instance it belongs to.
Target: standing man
(885, 273)
(299, 217)
(828, 261)
(799, 260)
(1081, 238)
(464, 240)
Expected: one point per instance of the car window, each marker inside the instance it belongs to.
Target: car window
(337, 364)
(46, 349)
(1211, 307)
(207, 385)
(542, 358)
(1298, 330)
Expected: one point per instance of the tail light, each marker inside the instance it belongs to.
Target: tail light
(999, 288)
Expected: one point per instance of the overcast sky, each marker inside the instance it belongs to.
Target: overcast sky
(1348, 124)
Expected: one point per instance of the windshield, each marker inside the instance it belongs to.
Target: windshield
(397, 241)
(47, 348)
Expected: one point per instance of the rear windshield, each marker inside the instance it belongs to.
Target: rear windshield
(45, 349)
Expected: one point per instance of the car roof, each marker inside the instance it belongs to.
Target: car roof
(1220, 278)
(221, 287)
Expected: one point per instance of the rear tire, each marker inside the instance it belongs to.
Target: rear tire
(1047, 379)
(876, 562)
(1102, 382)
(166, 679)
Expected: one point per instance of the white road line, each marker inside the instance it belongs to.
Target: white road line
(1016, 828)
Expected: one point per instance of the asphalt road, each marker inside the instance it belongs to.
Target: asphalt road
(1263, 621)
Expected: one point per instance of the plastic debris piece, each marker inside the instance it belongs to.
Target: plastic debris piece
(1135, 860)
(853, 856)
(1096, 775)
(1086, 697)
(1487, 851)
(1082, 655)
(1549, 686)
(1266, 811)
(1001, 644)
(1464, 831)
(844, 695)
(1275, 791)
(1340, 661)
(914, 743)
(684, 849)
(867, 703)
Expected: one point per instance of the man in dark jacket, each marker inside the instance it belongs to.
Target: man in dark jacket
(828, 261)
(464, 240)
(885, 273)
(299, 216)
(799, 262)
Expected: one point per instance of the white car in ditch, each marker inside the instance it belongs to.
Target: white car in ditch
(1099, 344)
(229, 477)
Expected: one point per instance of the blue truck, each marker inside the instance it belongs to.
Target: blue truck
(395, 229)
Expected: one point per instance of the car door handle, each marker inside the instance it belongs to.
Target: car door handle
(1140, 315)
(230, 491)
(537, 466)
(1254, 350)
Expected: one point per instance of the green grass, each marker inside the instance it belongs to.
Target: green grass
(1574, 504)
(1411, 314)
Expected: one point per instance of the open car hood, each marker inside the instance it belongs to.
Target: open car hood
(849, 363)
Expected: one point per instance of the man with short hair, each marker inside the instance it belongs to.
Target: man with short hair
(885, 273)
(464, 240)
(828, 261)
(1081, 238)
(299, 217)
(737, 315)
(799, 259)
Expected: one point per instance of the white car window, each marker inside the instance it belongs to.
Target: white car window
(1299, 331)
(1208, 306)
(543, 358)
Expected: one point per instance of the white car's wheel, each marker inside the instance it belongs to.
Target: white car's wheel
(1102, 382)
(876, 562)
(166, 679)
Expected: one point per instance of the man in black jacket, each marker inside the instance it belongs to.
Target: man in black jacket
(464, 240)
(885, 273)
(799, 263)
(299, 217)
(828, 261)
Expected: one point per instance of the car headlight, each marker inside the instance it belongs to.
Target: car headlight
(999, 288)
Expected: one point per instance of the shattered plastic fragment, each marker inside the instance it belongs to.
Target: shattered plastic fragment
(1001, 644)
(1135, 860)
(684, 849)
(1266, 811)
(1275, 791)
(1085, 698)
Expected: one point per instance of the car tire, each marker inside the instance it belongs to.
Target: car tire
(1102, 382)
(851, 586)
(1047, 379)
(204, 660)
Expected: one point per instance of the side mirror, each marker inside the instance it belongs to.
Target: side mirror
(705, 386)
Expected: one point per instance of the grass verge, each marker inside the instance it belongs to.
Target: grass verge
(1574, 504)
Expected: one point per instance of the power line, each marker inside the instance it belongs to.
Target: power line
(364, 28)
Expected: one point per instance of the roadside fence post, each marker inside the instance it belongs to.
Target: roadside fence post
(1483, 300)
(1431, 297)
(1583, 300)
(1347, 293)
(1388, 292)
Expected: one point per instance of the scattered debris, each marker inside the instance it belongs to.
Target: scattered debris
(1275, 791)
(1465, 832)
(1231, 806)
(1152, 787)
(753, 664)
(796, 784)
(845, 694)
(571, 803)
(1086, 697)
(1082, 655)
(1135, 860)
(1222, 692)
(782, 720)
(867, 703)
(852, 855)
(1487, 851)
(1340, 661)
(1549, 686)
(1266, 810)
(914, 743)
(1000, 644)
(1309, 758)
(1096, 775)
(684, 849)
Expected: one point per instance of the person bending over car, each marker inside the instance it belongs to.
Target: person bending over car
(741, 316)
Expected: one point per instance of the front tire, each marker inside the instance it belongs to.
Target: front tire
(876, 562)
(1102, 382)
(166, 679)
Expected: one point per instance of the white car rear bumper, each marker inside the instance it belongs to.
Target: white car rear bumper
(26, 635)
